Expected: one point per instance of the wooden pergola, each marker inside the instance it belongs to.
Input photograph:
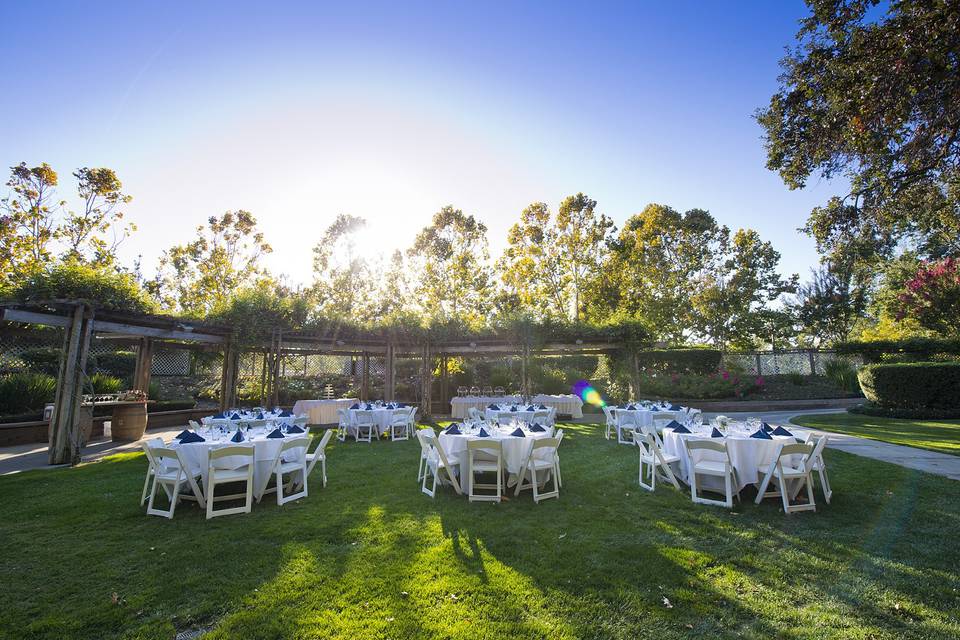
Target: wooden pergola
(81, 320)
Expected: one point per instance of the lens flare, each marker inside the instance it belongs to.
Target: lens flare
(588, 394)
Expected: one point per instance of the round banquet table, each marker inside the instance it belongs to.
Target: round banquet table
(641, 417)
(522, 413)
(751, 457)
(196, 455)
(382, 416)
(273, 421)
(322, 411)
(515, 448)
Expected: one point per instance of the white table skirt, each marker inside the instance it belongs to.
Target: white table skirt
(568, 404)
(460, 405)
(751, 457)
(515, 449)
(196, 455)
(322, 411)
(383, 417)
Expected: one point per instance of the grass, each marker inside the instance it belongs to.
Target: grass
(934, 435)
(369, 556)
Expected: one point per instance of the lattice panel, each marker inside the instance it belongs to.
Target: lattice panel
(170, 362)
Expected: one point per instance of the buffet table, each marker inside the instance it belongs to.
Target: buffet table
(322, 411)
(568, 404)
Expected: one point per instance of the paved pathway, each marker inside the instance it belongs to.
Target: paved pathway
(34, 456)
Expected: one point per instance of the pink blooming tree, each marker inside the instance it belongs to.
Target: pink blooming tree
(932, 296)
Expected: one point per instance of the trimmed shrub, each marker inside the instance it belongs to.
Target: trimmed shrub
(909, 349)
(696, 361)
(843, 374)
(170, 405)
(102, 383)
(121, 364)
(25, 392)
(870, 409)
(915, 386)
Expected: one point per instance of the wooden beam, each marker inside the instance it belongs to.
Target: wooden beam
(64, 432)
(365, 377)
(32, 317)
(389, 376)
(153, 332)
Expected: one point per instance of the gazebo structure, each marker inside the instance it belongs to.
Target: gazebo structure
(81, 321)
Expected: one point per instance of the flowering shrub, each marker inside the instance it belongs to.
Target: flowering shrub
(933, 296)
(722, 384)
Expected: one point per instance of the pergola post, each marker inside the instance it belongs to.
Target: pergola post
(389, 375)
(228, 378)
(276, 358)
(141, 375)
(444, 381)
(64, 433)
(426, 382)
(634, 374)
(365, 376)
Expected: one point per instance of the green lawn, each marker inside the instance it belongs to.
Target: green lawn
(935, 435)
(371, 557)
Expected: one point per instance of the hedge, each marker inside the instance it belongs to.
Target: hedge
(870, 409)
(697, 361)
(913, 386)
(916, 348)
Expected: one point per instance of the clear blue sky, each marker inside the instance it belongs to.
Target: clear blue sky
(390, 111)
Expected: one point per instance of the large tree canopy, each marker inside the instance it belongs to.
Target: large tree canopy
(873, 97)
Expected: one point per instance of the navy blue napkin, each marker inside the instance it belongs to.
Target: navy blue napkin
(675, 407)
(543, 407)
(536, 428)
(766, 427)
(519, 433)
(276, 433)
(286, 414)
(235, 416)
(513, 408)
(183, 434)
(629, 407)
(453, 431)
(780, 431)
(483, 433)
(191, 437)
(218, 416)
(237, 437)
(760, 434)
(355, 406)
(679, 428)
(369, 407)
(294, 429)
(492, 406)
(260, 416)
(716, 433)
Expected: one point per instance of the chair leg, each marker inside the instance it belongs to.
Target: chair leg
(146, 483)
(728, 485)
(323, 468)
(533, 478)
(824, 483)
(783, 493)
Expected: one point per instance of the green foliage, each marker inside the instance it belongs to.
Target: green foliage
(120, 364)
(843, 374)
(916, 386)
(44, 360)
(170, 405)
(718, 385)
(695, 361)
(23, 392)
(829, 305)
(255, 311)
(906, 349)
(794, 378)
(99, 286)
(103, 383)
(871, 409)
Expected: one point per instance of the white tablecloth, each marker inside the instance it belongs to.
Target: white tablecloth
(751, 457)
(515, 448)
(568, 404)
(642, 417)
(322, 411)
(383, 417)
(196, 455)
(460, 404)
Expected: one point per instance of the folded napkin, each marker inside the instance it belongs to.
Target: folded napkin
(483, 433)
(543, 407)
(716, 433)
(235, 416)
(766, 427)
(294, 429)
(285, 414)
(355, 406)
(513, 408)
(780, 431)
(532, 407)
(679, 428)
(183, 434)
(276, 433)
(760, 434)
(369, 407)
(453, 431)
(218, 416)
(492, 406)
(191, 437)
(518, 432)
(260, 416)
(237, 437)
(675, 407)
(536, 428)
(629, 407)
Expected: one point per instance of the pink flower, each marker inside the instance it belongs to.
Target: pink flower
(726, 375)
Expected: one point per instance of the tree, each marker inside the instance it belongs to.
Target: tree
(829, 305)
(451, 264)
(581, 239)
(740, 280)
(29, 225)
(200, 276)
(344, 282)
(932, 296)
(84, 234)
(876, 101)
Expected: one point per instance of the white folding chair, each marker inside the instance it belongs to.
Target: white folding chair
(559, 436)
(172, 475)
(320, 455)
(218, 472)
(424, 451)
(151, 466)
(343, 424)
(474, 414)
(366, 425)
(626, 427)
(484, 455)
(399, 424)
(411, 421)
(193, 424)
(611, 422)
(820, 443)
(545, 462)
(294, 463)
(658, 462)
(718, 468)
(662, 419)
(436, 463)
(783, 471)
